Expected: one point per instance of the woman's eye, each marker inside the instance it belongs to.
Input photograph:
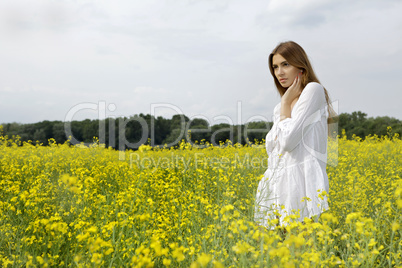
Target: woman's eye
(286, 64)
(274, 67)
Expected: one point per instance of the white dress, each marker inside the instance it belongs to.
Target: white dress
(297, 156)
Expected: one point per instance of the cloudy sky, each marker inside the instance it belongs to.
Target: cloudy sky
(90, 59)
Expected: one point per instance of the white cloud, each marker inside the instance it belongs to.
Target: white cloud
(201, 56)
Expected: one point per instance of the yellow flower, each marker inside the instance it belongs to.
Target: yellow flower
(96, 258)
(217, 264)
(92, 229)
(166, 262)
(199, 201)
(280, 252)
(399, 203)
(357, 246)
(204, 259)
(372, 243)
(145, 217)
(110, 250)
(195, 265)
(40, 260)
(242, 247)
(177, 253)
(395, 226)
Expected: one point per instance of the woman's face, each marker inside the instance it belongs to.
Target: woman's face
(284, 72)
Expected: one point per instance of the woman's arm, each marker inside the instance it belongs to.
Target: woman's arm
(290, 97)
(271, 138)
(291, 129)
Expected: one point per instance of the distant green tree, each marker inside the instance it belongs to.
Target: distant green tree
(256, 131)
(58, 132)
(90, 129)
(47, 127)
(222, 133)
(199, 130)
(12, 128)
(133, 131)
(358, 124)
(138, 129)
(353, 124)
(161, 130)
(177, 130)
(76, 128)
(39, 136)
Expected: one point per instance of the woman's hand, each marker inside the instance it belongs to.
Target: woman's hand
(291, 95)
(293, 91)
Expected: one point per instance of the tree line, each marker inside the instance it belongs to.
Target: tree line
(131, 132)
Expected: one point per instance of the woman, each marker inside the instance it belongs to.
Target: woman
(297, 142)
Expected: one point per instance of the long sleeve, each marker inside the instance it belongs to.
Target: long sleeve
(308, 109)
(271, 138)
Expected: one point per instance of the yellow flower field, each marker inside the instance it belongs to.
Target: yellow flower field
(66, 205)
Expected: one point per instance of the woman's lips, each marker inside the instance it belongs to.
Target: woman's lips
(282, 80)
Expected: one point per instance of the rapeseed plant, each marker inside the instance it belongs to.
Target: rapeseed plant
(64, 205)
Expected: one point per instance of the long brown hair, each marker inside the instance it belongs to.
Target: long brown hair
(297, 57)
